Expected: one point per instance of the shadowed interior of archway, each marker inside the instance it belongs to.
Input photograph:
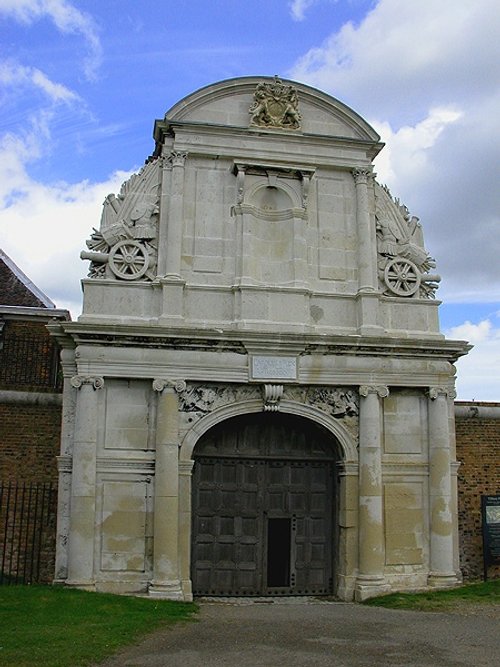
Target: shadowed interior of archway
(264, 507)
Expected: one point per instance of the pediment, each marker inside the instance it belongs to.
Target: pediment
(229, 103)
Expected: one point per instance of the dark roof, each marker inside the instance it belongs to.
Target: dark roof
(16, 289)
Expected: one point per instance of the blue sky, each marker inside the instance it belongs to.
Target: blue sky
(81, 82)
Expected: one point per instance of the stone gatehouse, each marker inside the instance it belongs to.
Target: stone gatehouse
(258, 399)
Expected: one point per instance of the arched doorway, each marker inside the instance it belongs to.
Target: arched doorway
(263, 507)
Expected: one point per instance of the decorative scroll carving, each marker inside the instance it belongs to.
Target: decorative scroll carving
(125, 246)
(160, 384)
(77, 381)
(381, 390)
(272, 396)
(404, 264)
(275, 105)
(434, 392)
(204, 399)
(337, 402)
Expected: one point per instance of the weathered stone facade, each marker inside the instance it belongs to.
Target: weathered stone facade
(255, 268)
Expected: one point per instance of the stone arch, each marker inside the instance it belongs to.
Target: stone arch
(345, 440)
(286, 196)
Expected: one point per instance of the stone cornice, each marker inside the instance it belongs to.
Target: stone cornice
(310, 144)
(119, 335)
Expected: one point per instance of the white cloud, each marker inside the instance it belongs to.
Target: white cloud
(16, 76)
(67, 19)
(299, 7)
(416, 51)
(406, 150)
(474, 333)
(52, 223)
(477, 373)
(425, 74)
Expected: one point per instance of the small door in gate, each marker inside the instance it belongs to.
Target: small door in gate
(262, 525)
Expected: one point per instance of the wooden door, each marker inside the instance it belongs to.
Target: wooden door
(262, 525)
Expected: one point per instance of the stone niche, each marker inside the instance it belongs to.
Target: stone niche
(258, 364)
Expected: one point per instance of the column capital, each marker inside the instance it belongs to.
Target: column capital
(159, 384)
(381, 390)
(362, 174)
(77, 381)
(177, 158)
(186, 467)
(434, 392)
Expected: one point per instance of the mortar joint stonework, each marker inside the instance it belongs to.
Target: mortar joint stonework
(253, 294)
(77, 381)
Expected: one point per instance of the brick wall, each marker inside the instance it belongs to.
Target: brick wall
(29, 359)
(478, 450)
(29, 437)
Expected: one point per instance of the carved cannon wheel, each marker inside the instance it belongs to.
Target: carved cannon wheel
(402, 276)
(128, 260)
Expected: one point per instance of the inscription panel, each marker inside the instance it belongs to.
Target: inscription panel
(273, 368)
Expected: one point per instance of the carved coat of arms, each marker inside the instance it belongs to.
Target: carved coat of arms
(275, 105)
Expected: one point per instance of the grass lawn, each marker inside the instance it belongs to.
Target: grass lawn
(49, 626)
(472, 595)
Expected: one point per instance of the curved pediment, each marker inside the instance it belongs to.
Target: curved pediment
(273, 105)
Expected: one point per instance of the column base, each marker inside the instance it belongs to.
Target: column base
(443, 579)
(168, 591)
(370, 587)
(81, 585)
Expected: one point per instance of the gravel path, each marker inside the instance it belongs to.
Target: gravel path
(313, 633)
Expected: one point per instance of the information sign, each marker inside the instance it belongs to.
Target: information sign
(490, 511)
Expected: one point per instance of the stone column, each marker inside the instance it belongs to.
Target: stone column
(367, 255)
(166, 574)
(83, 484)
(371, 546)
(442, 512)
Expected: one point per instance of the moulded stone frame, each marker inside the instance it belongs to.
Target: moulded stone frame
(345, 514)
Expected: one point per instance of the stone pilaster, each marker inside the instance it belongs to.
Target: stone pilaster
(172, 283)
(366, 232)
(348, 474)
(367, 257)
(185, 477)
(83, 483)
(442, 511)
(64, 467)
(371, 546)
(175, 214)
(166, 178)
(166, 570)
